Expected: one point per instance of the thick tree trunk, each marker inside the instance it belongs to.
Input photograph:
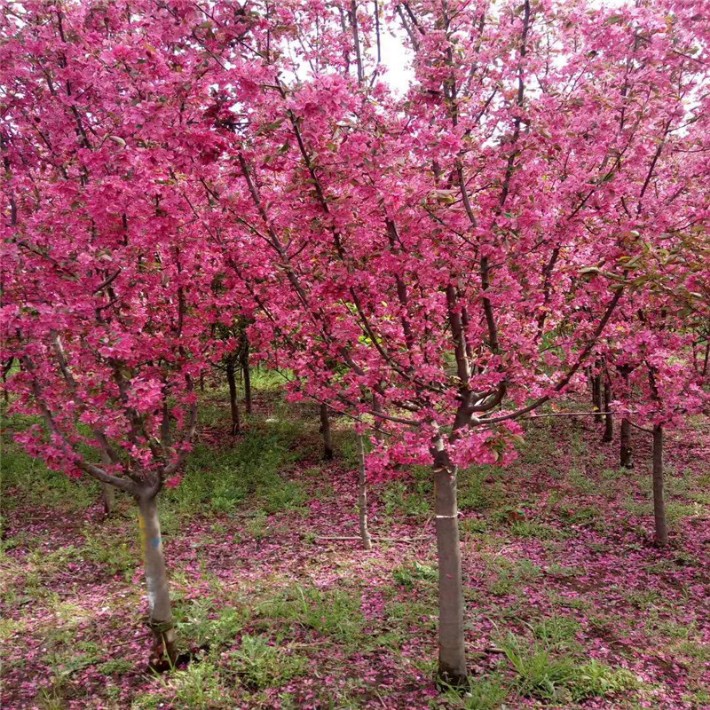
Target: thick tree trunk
(608, 416)
(362, 496)
(325, 431)
(160, 618)
(246, 375)
(659, 505)
(233, 406)
(597, 398)
(452, 655)
(625, 457)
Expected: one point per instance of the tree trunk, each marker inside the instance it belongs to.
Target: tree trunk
(608, 416)
(597, 398)
(234, 408)
(108, 492)
(160, 618)
(108, 498)
(659, 505)
(625, 458)
(325, 431)
(246, 375)
(362, 496)
(452, 654)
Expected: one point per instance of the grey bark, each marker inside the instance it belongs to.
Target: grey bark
(108, 498)
(160, 617)
(452, 654)
(659, 504)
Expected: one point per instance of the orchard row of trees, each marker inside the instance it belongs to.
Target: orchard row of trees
(181, 176)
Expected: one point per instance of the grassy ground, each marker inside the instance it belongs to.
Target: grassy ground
(568, 603)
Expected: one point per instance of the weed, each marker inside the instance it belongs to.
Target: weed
(203, 626)
(486, 693)
(198, 686)
(551, 677)
(539, 674)
(408, 575)
(556, 631)
(332, 612)
(260, 665)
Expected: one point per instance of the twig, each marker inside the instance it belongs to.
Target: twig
(374, 539)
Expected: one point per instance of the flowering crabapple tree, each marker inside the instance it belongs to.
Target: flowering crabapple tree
(654, 344)
(107, 297)
(447, 262)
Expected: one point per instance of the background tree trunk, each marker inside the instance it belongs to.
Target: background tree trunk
(325, 431)
(246, 374)
(233, 406)
(108, 492)
(452, 654)
(108, 498)
(608, 416)
(625, 457)
(659, 505)
(160, 618)
(362, 496)
(597, 397)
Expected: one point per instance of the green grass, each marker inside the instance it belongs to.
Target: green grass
(258, 664)
(557, 677)
(411, 575)
(334, 613)
(202, 622)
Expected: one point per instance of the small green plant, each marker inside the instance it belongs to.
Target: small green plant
(595, 679)
(539, 674)
(549, 677)
(556, 631)
(202, 626)
(486, 693)
(116, 666)
(511, 574)
(532, 529)
(331, 612)
(116, 557)
(260, 665)
(401, 500)
(408, 575)
(198, 686)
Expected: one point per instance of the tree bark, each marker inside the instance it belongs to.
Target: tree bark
(325, 431)
(246, 375)
(108, 498)
(233, 406)
(659, 505)
(452, 654)
(160, 618)
(608, 416)
(108, 492)
(597, 398)
(625, 457)
(362, 496)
